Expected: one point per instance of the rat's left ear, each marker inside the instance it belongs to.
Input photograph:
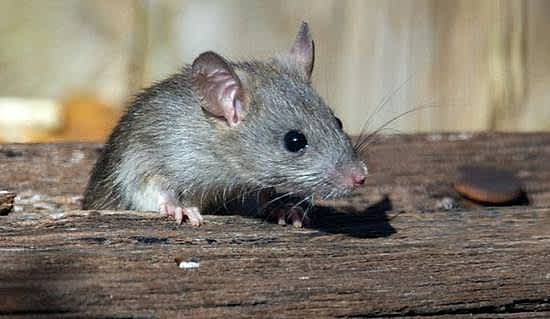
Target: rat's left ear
(218, 87)
(302, 52)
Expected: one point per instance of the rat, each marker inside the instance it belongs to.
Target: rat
(219, 128)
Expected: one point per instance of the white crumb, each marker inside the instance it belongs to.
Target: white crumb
(189, 264)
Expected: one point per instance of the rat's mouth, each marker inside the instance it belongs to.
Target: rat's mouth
(335, 193)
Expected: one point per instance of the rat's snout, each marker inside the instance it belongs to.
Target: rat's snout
(357, 179)
(345, 177)
(354, 174)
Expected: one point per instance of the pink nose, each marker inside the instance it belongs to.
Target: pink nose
(357, 179)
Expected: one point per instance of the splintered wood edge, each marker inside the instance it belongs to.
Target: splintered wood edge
(6, 202)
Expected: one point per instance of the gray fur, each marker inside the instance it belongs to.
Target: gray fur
(167, 142)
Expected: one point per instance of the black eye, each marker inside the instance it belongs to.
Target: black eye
(295, 141)
(340, 125)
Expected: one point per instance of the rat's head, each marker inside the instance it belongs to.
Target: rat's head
(273, 127)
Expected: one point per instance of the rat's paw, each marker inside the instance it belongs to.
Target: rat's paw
(193, 215)
(189, 215)
(288, 215)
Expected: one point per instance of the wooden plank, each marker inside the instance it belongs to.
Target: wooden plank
(371, 256)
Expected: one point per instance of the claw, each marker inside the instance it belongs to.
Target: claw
(194, 217)
(178, 215)
(294, 216)
(169, 208)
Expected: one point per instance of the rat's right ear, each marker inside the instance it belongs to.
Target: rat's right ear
(302, 52)
(218, 87)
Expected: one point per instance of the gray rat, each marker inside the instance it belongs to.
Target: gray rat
(219, 128)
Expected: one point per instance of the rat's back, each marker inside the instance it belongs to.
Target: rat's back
(137, 147)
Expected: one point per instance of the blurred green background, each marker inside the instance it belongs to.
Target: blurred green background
(68, 67)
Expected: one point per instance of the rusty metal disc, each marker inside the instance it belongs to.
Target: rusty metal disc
(487, 184)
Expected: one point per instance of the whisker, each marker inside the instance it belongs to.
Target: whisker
(386, 100)
(300, 202)
(362, 141)
(276, 199)
(310, 205)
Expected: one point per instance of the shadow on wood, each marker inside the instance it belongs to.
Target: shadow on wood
(33, 287)
(373, 222)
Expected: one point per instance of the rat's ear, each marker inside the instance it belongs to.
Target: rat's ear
(302, 52)
(218, 87)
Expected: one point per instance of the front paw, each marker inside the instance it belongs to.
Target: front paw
(288, 215)
(190, 215)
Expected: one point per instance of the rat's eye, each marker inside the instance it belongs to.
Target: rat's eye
(340, 125)
(295, 141)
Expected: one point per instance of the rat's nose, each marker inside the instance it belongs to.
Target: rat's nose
(355, 174)
(357, 179)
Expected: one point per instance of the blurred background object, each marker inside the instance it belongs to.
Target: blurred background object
(69, 67)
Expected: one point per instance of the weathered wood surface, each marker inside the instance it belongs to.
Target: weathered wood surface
(405, 246)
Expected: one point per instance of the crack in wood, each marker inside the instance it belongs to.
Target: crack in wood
(515, 306)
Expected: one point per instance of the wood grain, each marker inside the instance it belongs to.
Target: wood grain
(393, 250)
